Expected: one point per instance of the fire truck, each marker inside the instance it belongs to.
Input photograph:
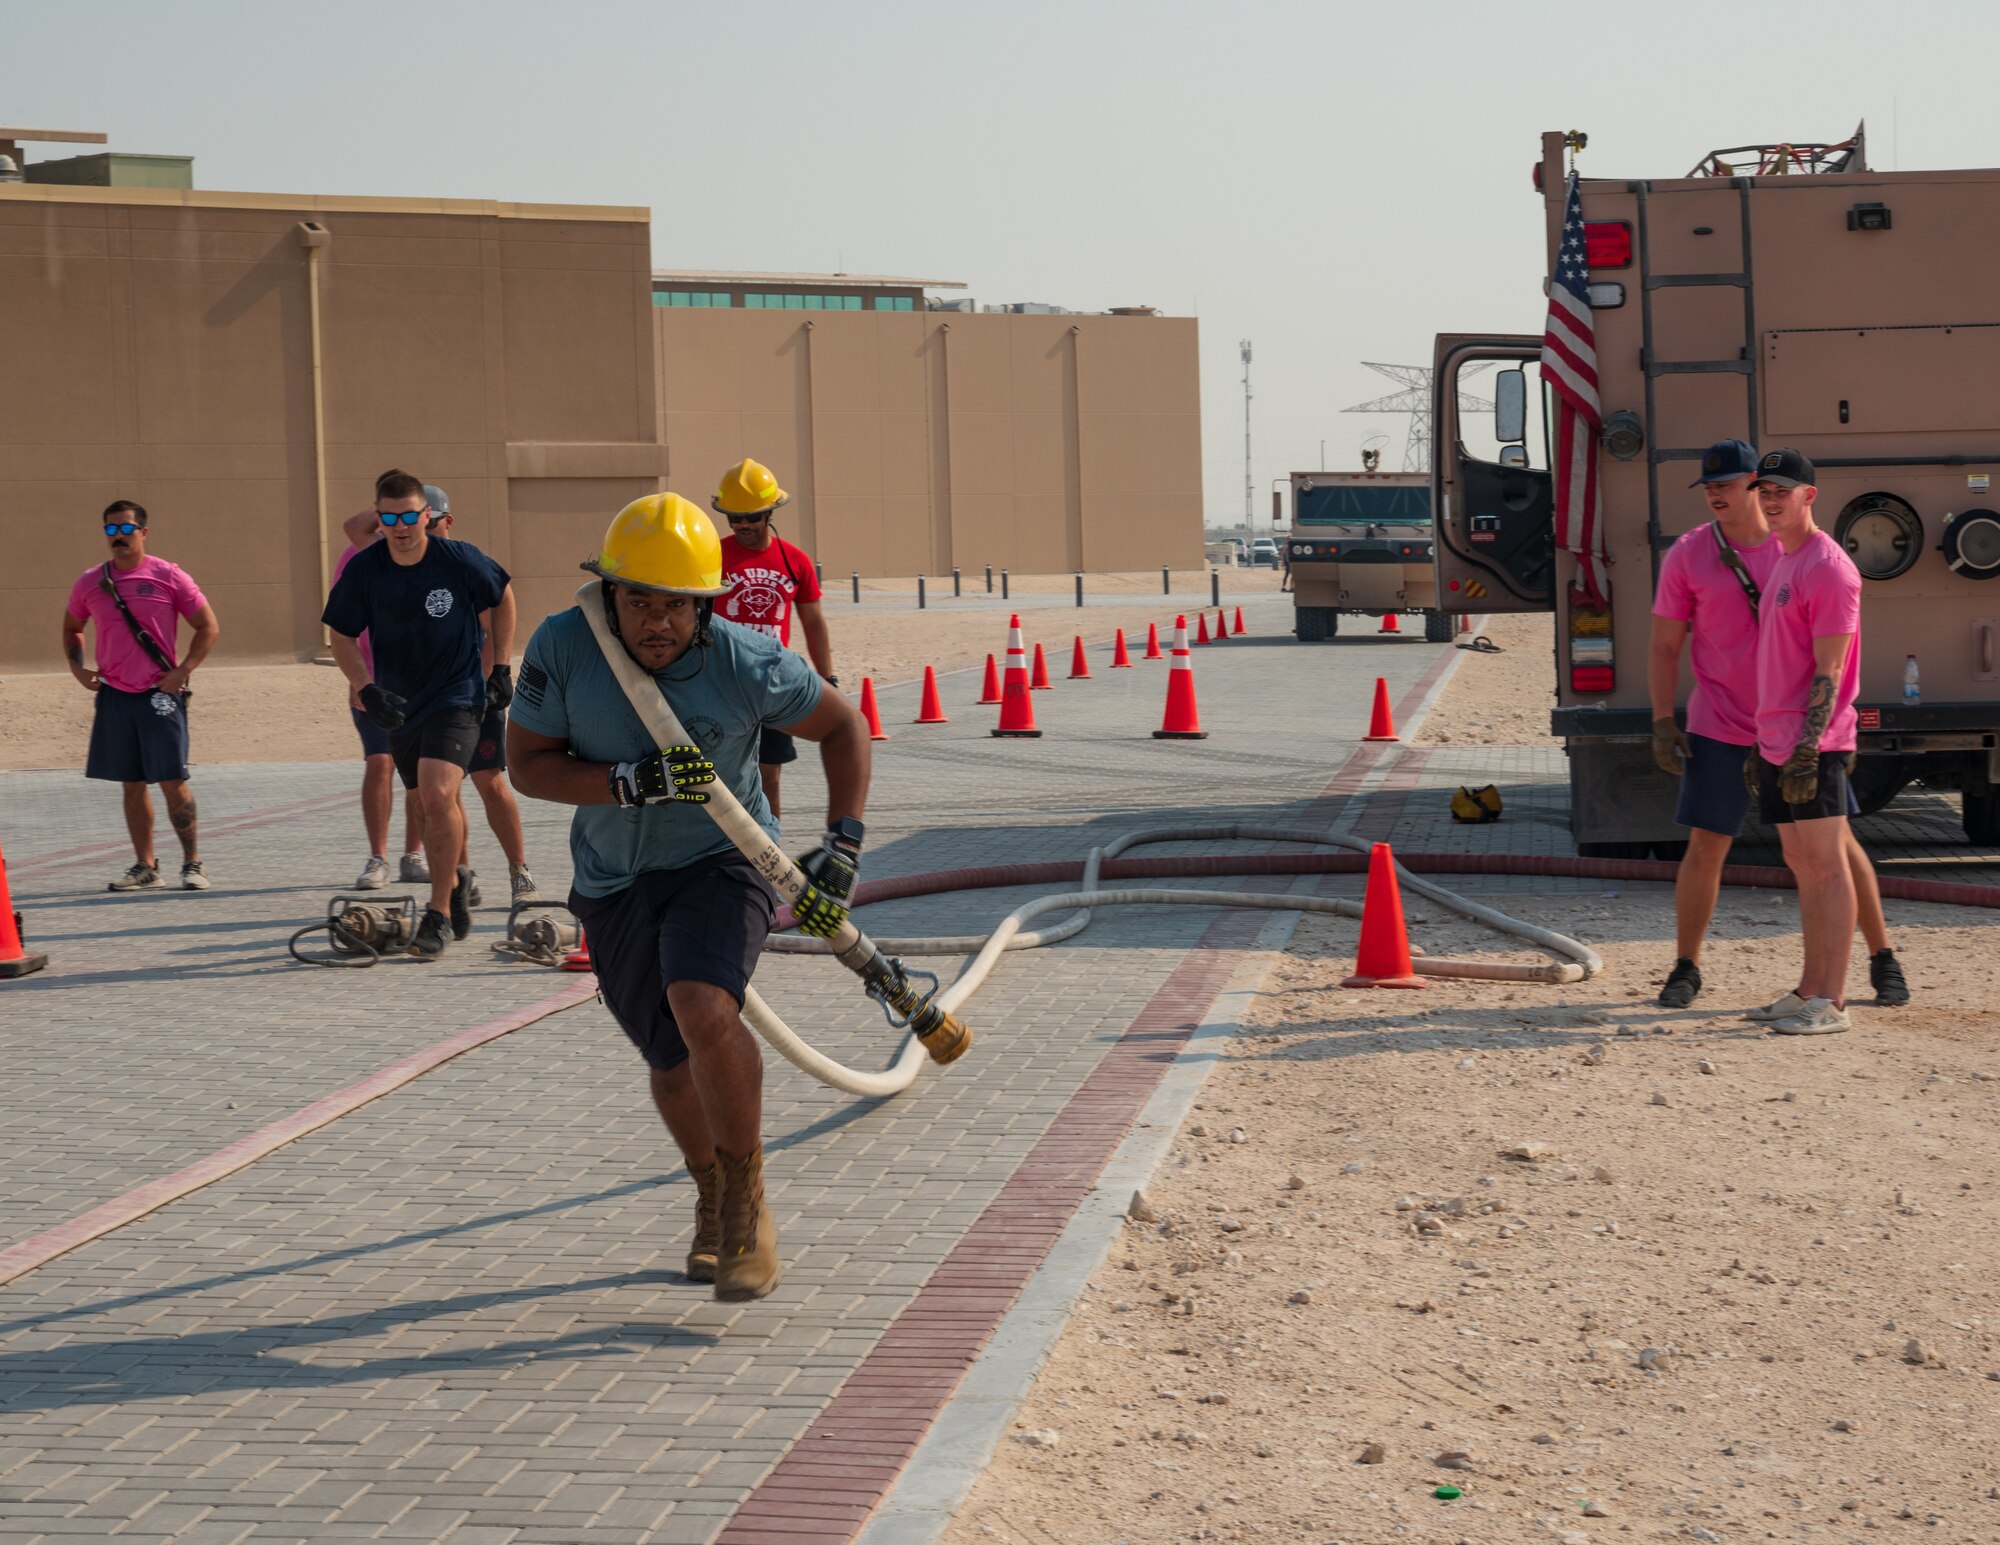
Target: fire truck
(1787, 295)
(1360, 545)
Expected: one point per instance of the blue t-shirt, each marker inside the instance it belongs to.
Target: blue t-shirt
(422, 620)
(723, 695)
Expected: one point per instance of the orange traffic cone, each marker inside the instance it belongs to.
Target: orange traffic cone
(870, 712)
(578, 959)
(1079, 667)
(989, 692)
(1380, 725)
(1221, 624)
(1465, 622)
(1017, 713)
(1181, 721)
(1153, 642)
(14, 957)
(1201, 635)
(1389, 624)
(1384, 957)
(1038, 680)
(932, 709)
(1120, 660)
(1239, 622)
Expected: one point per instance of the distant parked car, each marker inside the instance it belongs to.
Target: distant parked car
(1263, 551)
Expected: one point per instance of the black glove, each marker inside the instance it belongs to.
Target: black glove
(500, 686)
(384, 708)
(832, 870)
(1798, 779)
(672, 775)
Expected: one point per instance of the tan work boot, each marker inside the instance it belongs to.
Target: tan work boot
(707, 1223)
(747, 1264)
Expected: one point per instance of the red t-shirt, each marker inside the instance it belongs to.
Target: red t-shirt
(764, 585)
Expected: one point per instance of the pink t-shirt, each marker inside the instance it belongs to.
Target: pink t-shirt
(160, 594)
(1697, 587)
(1814, 593)
(361, 640)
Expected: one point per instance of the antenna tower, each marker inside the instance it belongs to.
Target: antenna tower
(1244, 345)
(1415, 400)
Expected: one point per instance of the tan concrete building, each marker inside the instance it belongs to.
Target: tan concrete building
(245, 364)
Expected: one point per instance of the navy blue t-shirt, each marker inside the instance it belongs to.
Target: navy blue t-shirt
(422, 620)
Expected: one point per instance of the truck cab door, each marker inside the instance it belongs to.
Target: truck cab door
(1492, 495)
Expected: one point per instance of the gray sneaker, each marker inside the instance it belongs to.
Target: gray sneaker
(140, 877)
(1783, 1008)
(415, 869)
(473, 895)
(523, 884)
(374, 874)
(193, 876)
(1818, 1017)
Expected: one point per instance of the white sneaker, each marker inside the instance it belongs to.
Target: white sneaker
(1784, 1008)
(374, 875)
(1818, 1017)
(193, 876)
(140, 877)
(415, 869)
(523, 884)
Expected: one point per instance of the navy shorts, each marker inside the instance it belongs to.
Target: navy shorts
(444, 735)
(1834, 796)
(776, 748)
(374, 739)
(1713, 794)
(706, 922)
(138, 737)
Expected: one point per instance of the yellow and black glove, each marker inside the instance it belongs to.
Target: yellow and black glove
(1798, 779)
(1670, 747)
(672, 775)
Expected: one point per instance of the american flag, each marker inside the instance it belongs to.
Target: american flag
(1569, 364)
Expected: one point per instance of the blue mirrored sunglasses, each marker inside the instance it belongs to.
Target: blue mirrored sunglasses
(401, 517)
(121, 528)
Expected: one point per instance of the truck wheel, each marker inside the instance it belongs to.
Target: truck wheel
(1437, 627)
(1981, 815)
(1315, 624)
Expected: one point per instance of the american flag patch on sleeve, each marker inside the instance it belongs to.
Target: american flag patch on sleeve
(534, 683)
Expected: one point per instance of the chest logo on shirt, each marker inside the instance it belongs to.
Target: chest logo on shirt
(704, 731)
(438, 602)
(164, 705)
(1784, 594)
(755, 601)
(144, 587)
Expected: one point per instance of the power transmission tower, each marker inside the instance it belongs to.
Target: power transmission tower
(1249, 529)
(1415, 400)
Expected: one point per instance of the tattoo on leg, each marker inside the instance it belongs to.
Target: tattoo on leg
(182, 814)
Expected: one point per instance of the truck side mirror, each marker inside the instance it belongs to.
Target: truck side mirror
(1510, 406)
(1277, 509)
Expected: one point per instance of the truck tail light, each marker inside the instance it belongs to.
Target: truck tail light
(1591, 666)
(1607, 243)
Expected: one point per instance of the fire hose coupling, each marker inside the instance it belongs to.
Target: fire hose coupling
(890, 983)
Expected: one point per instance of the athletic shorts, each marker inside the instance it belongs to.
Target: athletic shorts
(1713, 794)
(490, 754)
(703, 923)
(445, 735)
(777, 748)
(1834, 797)
(138, 737)
(374, 739)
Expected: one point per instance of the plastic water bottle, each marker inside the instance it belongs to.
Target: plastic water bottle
(1912, 693)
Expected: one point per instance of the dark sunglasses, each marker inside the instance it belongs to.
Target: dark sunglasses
(121, 528)
(401, 517)
(748, 520)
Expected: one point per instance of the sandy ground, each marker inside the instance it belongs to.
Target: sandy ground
(1746, 1290)
(296, 713)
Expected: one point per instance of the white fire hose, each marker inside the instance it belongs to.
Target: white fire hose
(863, 955)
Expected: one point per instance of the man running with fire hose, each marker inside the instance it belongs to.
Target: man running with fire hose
(675, 915)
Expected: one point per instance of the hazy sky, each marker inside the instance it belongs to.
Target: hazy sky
(1334, 183)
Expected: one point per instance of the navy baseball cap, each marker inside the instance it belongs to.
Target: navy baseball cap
(1726, 459)
(1786, 469)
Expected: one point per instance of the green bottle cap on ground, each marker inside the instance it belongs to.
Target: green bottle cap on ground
(1447, 1493)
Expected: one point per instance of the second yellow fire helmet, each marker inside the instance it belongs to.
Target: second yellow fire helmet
(748, 488)
(662, 542)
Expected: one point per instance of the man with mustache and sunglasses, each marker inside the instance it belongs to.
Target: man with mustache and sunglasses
(424, 601)
(139, 732)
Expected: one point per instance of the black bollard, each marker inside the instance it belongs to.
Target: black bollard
(954, 582)
(1166, 581)
(1003, 584)
(1214, 587)
(989, 579)
(920, 592)
(857, 587)
(1079, 590)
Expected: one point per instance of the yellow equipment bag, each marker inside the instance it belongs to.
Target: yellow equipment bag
(1475, 807)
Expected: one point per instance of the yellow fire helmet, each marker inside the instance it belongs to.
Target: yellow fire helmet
(662, 542)
(748, 488)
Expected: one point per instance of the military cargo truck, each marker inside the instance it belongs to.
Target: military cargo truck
(1787, 295)
(1360, 545)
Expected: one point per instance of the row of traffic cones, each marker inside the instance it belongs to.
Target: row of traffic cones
(1181, 720)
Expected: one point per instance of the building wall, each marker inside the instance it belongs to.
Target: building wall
(159, 347)
(914, 442)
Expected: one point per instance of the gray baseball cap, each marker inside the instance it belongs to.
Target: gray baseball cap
(437, 499)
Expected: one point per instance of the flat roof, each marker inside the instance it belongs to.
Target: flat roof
(57, 136)
(695, 276)
(317, 203)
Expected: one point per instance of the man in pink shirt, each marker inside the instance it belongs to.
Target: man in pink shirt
(1704, 601)
(139, 728)
(1808, 676)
